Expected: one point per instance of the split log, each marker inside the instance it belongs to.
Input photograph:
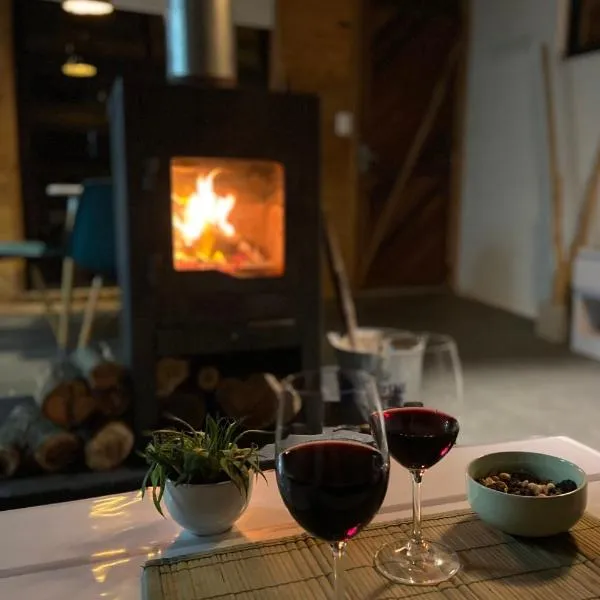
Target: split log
(106, 379)
(12, 437)
(187, 406)
(109, 446)
(113, 402)
(253, 401)
(170, 374)
(57, 375)
(101, 374)
(52, 448)
(64, 397)
(208, 379)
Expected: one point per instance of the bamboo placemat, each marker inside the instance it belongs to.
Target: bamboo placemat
(495, 567)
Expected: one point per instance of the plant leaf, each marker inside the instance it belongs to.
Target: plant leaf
(188, 456)
(145, 482)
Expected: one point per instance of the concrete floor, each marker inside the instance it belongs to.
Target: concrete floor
(516, 385)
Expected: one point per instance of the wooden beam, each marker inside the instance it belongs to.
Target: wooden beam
(431, 113)
(11, 224)
(341, 283)
(363, 57)
(559, 285)
(458, 149)
(588, 210)
(563, 272)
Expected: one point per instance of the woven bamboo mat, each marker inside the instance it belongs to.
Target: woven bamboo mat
(495, 567)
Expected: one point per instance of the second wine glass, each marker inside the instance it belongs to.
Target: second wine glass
(420, 433)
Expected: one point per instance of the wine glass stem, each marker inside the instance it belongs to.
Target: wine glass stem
(339, 549)
(417, 477)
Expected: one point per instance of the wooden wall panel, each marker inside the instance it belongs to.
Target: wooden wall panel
(11, 272)
(320, 49)
(411, 56)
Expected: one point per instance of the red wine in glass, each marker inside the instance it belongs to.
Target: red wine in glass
(419, 437)
(419, 434)
(333, 488)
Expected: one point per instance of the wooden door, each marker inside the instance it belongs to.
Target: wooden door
(412, 53)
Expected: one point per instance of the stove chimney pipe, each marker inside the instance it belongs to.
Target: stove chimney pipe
(201, 41)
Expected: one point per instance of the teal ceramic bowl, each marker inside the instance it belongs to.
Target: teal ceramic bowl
(527, 516)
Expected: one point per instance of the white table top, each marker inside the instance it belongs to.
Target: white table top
(95, 548)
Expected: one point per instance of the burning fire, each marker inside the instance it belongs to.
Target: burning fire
(204, 235)
(204, 210)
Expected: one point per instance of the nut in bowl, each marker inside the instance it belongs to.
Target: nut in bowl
(526, 493)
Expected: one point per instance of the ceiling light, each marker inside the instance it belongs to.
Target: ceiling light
(76, 67)
(94, 8)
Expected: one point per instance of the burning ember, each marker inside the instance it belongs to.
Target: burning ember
(206, 235)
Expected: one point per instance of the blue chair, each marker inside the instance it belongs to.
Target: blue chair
(91, 247)
(34, 251)
(92, 241)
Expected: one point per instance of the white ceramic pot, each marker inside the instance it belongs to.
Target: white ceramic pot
(206, 509)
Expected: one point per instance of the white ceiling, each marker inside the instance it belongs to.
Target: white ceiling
(250, 13)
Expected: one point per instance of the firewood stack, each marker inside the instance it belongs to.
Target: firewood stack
(189, 395)
(79, 417)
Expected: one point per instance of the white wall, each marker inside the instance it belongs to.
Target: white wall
(505, 256)
(251, 13)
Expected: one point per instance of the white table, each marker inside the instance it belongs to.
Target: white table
(94, 549)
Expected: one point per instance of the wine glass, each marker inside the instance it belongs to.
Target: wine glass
(420, 433)
(332, 481)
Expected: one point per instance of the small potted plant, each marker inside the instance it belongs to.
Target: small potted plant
(205, 477)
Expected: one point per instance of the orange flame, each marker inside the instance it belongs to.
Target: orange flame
(203, 209)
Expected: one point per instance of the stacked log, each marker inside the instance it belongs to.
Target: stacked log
(64, 397)
(106, 380)
(176, 393)
(256, 401)
(188, 395)
(27, 433)
(170, 374)
(208, 379)
(108, 446)
(81, 410)
(51, 447)
(78, 416)
(12, 434)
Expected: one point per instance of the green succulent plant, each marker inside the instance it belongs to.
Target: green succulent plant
(196, 457)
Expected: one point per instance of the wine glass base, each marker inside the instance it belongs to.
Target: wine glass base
(426, 563)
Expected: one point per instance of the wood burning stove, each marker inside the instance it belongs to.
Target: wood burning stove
(217, 203)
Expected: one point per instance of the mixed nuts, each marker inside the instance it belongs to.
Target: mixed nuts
(526, 484)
